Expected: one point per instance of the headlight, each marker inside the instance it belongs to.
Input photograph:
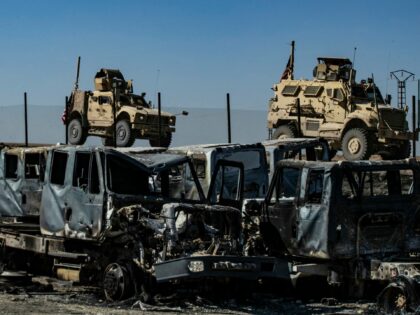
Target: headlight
(196, 266)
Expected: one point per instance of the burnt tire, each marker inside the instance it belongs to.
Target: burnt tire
(285, 131)
(356, 144)
(164, 141)
(117, 282)
(76, 134)
(125, 135)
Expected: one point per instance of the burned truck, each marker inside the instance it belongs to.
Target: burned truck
(351, 222)
(126, 223)
(113, 109)
(309, 149)
(252, 156)
(352, 116)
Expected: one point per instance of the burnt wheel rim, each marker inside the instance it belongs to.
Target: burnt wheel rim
(115, 282)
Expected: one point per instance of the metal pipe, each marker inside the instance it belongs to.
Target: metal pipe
(114, 112)
(66, 122)
(414, 125)
(298, 117)
(228, 118)
(418, 104)
(159, 118)
(26, 118)
(299, 121)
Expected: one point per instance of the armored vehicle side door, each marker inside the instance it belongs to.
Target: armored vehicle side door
(100, 109)
(335, 109)
(227, 184)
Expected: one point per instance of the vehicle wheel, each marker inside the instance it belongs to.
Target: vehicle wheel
(285, 131)
(404, 151)
(125, 135)
(76, 133)
(356, 144)
(107, 142)
(164, 141)
(117, 282)
(394, 298)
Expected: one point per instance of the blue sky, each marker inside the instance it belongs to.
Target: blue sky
(195, 51)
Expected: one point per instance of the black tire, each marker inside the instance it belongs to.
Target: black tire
(125, 135)
(107, 142)
(356, 144)
(117, 282)
(404, 150)
(76, 134)
(164, 141)
(285, 131)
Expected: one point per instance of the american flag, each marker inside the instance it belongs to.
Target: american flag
(288, 72)
(64, 117)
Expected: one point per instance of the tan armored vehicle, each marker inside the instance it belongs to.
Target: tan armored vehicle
(93, 113)
(352, 116)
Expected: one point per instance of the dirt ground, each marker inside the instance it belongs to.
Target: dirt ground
(20, 294)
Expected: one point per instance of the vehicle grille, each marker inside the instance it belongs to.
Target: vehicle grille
(395, 119)
(154, 120)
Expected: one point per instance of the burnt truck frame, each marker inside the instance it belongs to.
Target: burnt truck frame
(252, 156)
(124, 222)
(309, 149)
(352, 222)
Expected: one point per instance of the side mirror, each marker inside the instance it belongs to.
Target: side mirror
(388, 99)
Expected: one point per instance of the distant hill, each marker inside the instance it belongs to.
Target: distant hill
(200, 126)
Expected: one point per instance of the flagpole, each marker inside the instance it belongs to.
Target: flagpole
(292, 58)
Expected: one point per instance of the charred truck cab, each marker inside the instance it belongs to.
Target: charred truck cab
(355, 221)
(315, 149)
(125, 222)
(252, 156)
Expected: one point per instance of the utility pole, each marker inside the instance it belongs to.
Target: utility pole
(228, 117)
(404, 75)
(159, 119)
(25, 101)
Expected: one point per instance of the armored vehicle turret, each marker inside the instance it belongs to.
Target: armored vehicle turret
(113, 100)
(352, 116)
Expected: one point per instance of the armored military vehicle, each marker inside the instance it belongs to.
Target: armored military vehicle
(351, 115)
(94, 113)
